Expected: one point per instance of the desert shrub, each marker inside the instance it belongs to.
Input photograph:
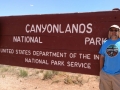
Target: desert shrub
(4, 69)
(49, 74)
(73, 80)
(23, 73)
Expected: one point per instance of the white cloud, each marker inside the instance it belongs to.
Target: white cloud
(31, 5)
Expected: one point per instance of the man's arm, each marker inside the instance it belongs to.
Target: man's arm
(101, 61)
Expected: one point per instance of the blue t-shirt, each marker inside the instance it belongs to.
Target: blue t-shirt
(111, 52)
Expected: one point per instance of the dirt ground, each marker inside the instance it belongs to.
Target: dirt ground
(11, 80)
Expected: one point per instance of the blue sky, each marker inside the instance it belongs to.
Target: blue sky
(28, 7)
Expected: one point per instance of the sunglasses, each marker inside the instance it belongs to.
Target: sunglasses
(113, 30)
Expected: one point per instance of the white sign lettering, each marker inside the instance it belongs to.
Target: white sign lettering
(56, 28)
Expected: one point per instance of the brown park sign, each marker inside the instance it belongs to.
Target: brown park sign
(63, 42)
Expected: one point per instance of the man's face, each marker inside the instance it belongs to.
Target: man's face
(113, 32)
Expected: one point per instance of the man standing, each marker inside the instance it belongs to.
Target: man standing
(110, 60)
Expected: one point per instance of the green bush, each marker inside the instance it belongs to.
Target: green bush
(23, 73)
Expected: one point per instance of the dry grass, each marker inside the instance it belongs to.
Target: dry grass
(55, 76)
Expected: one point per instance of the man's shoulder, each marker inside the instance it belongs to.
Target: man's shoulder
(107, 40)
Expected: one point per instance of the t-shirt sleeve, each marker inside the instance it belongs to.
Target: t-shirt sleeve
(101, 51)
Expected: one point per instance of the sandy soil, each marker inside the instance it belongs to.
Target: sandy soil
(11, 81)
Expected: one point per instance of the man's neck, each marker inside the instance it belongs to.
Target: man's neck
(114, 38)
